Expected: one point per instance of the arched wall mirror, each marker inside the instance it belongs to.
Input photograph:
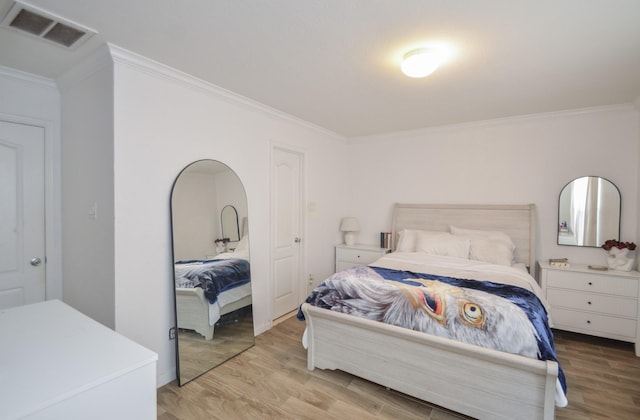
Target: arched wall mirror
(588, 212)
(213, 305)
(229, 221)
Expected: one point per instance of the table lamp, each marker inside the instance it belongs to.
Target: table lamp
(349, 226)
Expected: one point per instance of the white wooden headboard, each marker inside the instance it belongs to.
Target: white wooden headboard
(517, 221)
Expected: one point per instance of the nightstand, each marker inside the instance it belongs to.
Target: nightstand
(600, 303)
(352, 256)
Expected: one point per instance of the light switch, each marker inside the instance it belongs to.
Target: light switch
(93, 211)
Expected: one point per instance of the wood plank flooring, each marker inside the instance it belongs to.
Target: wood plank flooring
(232, 335)
(271, 381)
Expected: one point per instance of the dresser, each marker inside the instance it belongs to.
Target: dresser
(354, 255)
(600, 303)
(57, 363)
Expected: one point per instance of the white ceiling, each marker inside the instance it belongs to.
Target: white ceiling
(334, 63)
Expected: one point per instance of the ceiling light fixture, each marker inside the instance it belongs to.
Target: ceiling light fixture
(421, 62)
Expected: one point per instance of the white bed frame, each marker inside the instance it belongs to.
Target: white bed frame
(193, 310)
(475, 381)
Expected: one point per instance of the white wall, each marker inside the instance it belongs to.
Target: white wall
(87, 182)
(516, 160)
(165, 120)
(33, 100)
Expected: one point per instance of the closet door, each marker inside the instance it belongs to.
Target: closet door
(286, 234)
(22, 238)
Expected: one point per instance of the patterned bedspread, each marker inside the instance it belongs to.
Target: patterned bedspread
(493, 315)
(214, 276)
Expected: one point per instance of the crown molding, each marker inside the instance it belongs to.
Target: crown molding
(27, 77)
(97, 60)
(496, 121)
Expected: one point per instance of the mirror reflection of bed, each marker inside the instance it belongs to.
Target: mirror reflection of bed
(211, 257)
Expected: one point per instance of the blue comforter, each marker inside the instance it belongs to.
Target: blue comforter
(493, 315)
(214, 276)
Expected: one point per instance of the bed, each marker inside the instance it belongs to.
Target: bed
(467, 378)
(208, 289)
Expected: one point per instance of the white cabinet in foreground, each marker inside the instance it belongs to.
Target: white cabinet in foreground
(56, 363)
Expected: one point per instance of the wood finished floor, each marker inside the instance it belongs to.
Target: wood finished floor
(271, 381)
(232, 335)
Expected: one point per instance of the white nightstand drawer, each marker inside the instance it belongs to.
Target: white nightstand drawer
(607, 305)
(341, 265)
(352, 256)
(594, 283)
(603, 325)
(358, 256)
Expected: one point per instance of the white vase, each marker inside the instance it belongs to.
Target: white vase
(621, 259)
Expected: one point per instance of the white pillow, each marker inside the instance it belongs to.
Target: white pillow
(491, 250)
(408, 238)
(443, 243)
(486, 234)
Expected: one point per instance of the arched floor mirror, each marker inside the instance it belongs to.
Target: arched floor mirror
(212, 279)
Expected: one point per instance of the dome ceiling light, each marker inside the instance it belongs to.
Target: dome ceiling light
(421, 62)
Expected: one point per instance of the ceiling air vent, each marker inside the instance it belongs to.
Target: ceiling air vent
(44, 25)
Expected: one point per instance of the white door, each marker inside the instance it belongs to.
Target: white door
(286, 196)
(22, 256)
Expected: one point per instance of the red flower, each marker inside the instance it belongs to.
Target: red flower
(613, 243)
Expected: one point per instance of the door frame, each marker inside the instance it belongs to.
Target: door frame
(302, 257)
(52, 201)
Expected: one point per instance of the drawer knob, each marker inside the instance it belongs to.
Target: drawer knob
(589, 302)
(590, 284)
(588, 322)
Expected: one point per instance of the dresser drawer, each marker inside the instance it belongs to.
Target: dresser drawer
(342, 265)
(595, 324)
(357, 256)
(594, 283)
(604, 304)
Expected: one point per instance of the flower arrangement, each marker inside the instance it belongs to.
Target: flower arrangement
(613, 243)
(221, 244)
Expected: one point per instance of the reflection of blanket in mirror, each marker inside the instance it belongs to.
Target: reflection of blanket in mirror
(492, 315)
(213, 276)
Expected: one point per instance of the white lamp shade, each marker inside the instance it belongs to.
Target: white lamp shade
(349, 224)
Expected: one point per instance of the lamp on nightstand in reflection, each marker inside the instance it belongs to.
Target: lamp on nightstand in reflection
(349, 226)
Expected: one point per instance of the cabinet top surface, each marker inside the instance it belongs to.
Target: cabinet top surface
(363, 247)
(584, 268)
(51, 352)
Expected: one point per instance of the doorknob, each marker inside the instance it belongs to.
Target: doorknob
(36, 261)
(297, 240)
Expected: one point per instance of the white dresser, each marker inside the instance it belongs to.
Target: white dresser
(351, 256)
(56, 363)
(601, 303)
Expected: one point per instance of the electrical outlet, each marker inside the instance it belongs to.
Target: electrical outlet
(311, 279)
(172, 333)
